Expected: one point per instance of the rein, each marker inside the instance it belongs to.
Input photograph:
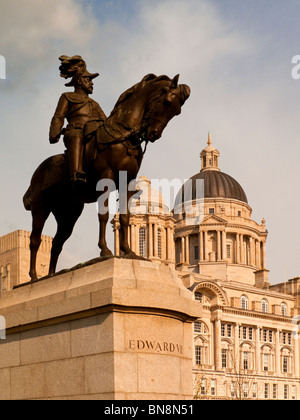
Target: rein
(134, 133)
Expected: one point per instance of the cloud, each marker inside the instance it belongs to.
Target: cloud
(239, 90)
(33, 30)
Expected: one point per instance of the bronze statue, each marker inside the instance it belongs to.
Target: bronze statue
(81, 112)
(140, 115)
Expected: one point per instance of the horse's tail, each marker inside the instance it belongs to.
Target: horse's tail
(27, 199)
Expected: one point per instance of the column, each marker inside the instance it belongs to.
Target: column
(150, 238)
(263, 255)
(296, 355)
(257, 261)
(250, 251)
(235, 360)
(168, 245)
(206, 257)
(237, 244)
(201, 246)
(217, 339)
(257, 351)
(155, 253)
(219, 255)
(242, 254)
(182, 250)
(277, 353)
(187, 250)
(224, 245)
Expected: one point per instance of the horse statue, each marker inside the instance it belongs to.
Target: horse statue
(140, 115)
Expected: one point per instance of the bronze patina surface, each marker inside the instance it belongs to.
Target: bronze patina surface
(97, 148)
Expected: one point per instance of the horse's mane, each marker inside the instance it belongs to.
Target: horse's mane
(149, 78)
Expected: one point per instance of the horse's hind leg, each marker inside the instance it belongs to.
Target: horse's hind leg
(103, 217)
(39, 217)
(66, 218)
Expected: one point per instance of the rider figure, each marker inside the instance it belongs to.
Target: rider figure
(83, 114)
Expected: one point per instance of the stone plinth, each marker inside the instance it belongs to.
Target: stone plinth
(116, 329)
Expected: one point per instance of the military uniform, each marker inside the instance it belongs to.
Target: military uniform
(83, 115)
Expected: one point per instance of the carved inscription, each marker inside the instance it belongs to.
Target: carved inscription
(155, 346)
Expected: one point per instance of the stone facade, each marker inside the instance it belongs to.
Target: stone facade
(116, 329)
(245, 340)
(245, 333)
(15, 259)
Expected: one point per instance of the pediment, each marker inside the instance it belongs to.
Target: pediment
(212, 219)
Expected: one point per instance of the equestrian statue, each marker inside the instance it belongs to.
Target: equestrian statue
(97, 148)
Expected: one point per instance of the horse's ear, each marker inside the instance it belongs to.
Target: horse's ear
(174, 83)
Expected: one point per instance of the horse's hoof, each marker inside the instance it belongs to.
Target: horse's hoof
(133, 256)
(106, 253)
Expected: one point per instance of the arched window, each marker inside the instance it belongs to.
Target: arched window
(284, 309)
(142, 242)
(244, 302)
(264, 305)
(159, 243)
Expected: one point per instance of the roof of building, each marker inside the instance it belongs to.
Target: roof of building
(217, 184)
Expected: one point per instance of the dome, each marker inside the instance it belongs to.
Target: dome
(147, 200)
(217, 184)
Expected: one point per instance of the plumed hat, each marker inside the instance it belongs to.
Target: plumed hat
(74, 67)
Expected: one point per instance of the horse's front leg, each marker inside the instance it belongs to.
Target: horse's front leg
(103, 216)
(124, 224)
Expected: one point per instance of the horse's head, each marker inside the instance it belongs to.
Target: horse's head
(164, 104)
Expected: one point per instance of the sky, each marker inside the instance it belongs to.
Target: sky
(235, 55)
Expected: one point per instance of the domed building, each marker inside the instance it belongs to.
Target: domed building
(151, 229)
(222, 240)
(245, 346)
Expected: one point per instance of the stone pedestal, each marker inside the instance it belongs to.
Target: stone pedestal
(116, 329)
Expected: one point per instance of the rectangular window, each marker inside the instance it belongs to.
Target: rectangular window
(270, 336)
(196, 252)
(274, 391)
(232, 389)
(203, 386)
(286, 392)
(254, 390)
(264, 335)
(142, 242)
(198, 355)
(228, 330)
(223, 330)
(266, 391)
(266, 362)
(213, 387)
(244, 333)
(294, 392)
(245, 390)
(245, 360)
(284, 337)
(211, 211)
(250, 333)
(285, 364)
(224, 358)
(197, 327)
(228, 253)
